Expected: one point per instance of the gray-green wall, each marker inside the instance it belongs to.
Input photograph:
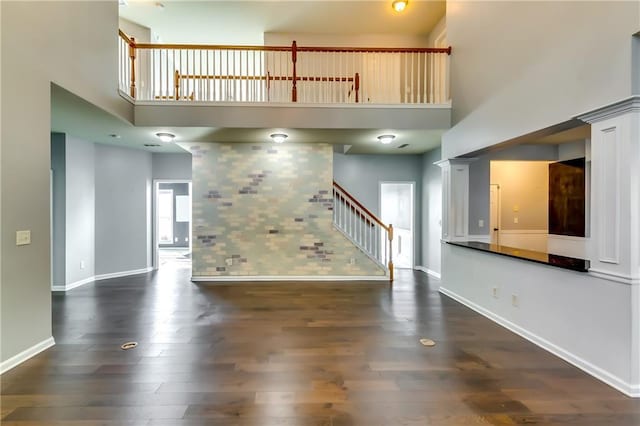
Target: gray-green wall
(58, 42)
(361, 175)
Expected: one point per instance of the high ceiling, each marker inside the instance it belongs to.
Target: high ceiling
(245, 22)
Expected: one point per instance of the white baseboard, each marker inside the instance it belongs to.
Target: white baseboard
(428, 271)
(597, 372)
(123, 273)
(67, 287)
(26, 354)
(251, 278)
(61, 287)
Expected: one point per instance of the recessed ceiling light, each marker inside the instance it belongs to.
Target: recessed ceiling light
(386, 139)
(399, 5)
(115, 136)
(279, 137)
(165, 136)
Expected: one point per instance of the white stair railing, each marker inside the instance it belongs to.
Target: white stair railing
(363, 228)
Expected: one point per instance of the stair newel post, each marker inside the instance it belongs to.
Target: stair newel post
(390, 235)
(132, 57)
(294, 59)
(176, 83)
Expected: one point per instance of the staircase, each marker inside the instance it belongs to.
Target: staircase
(363, 228)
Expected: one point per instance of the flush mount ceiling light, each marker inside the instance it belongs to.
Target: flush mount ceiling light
(279, 137)
(386, 139)
(166, 137)
(399, 5)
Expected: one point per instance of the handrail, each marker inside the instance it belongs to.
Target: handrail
(358, 224)
(125, 37)
(390, 74)
(446, 50)
(357, 203)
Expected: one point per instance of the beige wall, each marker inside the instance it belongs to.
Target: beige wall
(524, 185)
(74, 45)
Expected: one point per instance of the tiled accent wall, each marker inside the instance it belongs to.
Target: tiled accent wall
(267, 210)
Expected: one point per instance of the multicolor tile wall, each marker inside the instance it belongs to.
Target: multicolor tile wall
(268, 210)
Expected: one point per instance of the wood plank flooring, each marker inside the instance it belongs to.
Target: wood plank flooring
(292, 354)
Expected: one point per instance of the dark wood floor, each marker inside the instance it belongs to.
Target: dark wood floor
(293, 354)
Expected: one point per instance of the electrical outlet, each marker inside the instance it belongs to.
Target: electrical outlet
(228, 261)
(352, 261)
(82, 264)
(515, 220)
(495, 292)
(514, 301)
(481, 223)
(23, 237)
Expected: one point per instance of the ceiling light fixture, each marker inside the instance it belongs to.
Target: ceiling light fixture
(166, 137)
(279, 137)
(386, 139)
(115, 136)
(399, 5)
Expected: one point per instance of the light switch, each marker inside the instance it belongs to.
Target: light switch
(515, 220)
(481, 223)
(23, 237)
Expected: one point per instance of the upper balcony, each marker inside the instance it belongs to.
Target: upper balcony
(153, 75)
(276, 74)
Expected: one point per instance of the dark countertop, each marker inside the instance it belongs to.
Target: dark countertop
(563, 262)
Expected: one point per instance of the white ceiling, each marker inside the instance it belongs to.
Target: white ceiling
(245, 22)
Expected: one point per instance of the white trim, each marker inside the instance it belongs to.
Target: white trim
(229, 278)
(67, 287)
(155, 244)
(123, 273)
(483, 238)
(611, 276)
(428, 271)
(28, 353)
(632, 390)
(414, 207)
(612, 110)
(169, 103)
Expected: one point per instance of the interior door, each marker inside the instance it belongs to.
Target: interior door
(396, 208)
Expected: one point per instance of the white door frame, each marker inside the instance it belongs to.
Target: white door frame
(154, 243)
(413, 211)
(497, 225)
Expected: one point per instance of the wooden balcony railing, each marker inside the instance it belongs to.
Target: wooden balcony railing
(209, 73)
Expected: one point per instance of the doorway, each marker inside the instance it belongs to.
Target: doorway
(494, 213)
(397, 208)
(172, 224)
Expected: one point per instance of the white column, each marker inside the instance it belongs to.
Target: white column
(614, 247)
(455, 198)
